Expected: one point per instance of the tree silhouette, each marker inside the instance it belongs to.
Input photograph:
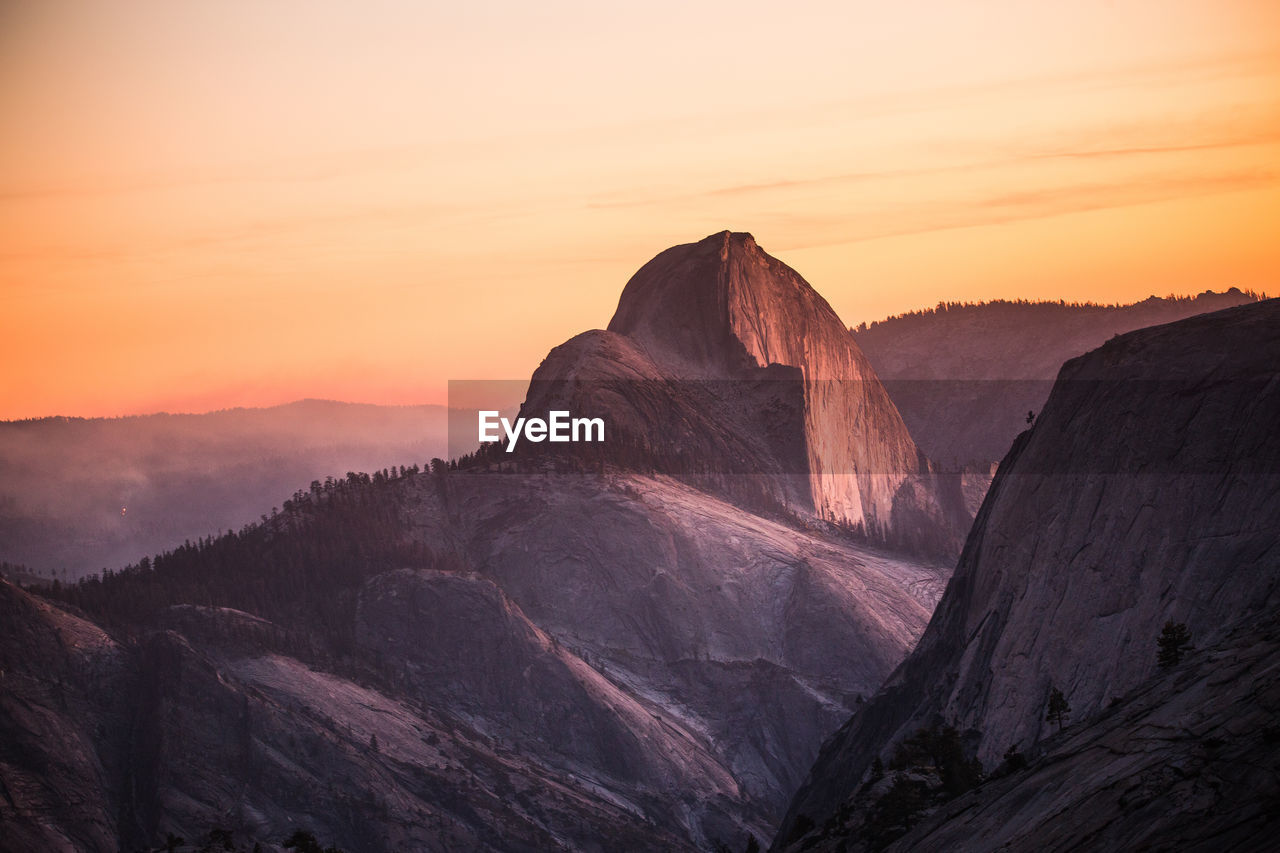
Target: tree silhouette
(220, 839)
(1059, 708)
(303, 842)
(940, 748)
(1013, 759)
(1174, 642)
(897, 811)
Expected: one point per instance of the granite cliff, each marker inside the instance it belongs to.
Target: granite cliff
(724, 355)
(1147, 492)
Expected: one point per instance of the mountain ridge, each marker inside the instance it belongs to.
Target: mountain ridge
(964, 376)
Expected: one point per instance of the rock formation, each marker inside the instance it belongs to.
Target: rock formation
(1148, 491)
(722, 354)
(202, 726)
(633, 652)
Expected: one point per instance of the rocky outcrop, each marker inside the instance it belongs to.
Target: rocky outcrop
(725, 358)
(691, 607)
(263, 745)
(1148, 491)
(463, 645)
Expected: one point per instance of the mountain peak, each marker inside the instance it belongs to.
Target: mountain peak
(758, 360)
(730, 240)
(724, 241)
(723, 305)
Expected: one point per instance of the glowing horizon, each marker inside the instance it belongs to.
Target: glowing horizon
(212, 205)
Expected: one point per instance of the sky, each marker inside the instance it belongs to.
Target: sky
(217, 203)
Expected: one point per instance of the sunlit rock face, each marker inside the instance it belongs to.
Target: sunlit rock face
(724, 309)
(738, 362)
(1148, 491)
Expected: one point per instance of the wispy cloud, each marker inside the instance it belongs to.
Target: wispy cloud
(1147, 142)
(1012, 207)
(319, 165)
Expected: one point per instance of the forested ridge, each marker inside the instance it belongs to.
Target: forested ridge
(298, 567)
(1048, 308)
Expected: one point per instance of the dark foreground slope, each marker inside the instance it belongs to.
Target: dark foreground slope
(1147, 492)
(965, 376)
(108, 745)
(1192, 763)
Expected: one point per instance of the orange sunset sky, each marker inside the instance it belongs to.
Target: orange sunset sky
(243, 202)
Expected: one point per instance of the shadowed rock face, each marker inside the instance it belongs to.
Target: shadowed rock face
(467, 647)
(735, 361)
(106, 746)
(60, 678)
(1148, 491)
(1190, 765)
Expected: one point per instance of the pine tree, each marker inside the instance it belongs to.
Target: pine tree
(303, 842)
(1174, 642)
(1013, 759)
(1059, 708)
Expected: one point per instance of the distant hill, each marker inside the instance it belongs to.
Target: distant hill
(81, 494)
(964, 376)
